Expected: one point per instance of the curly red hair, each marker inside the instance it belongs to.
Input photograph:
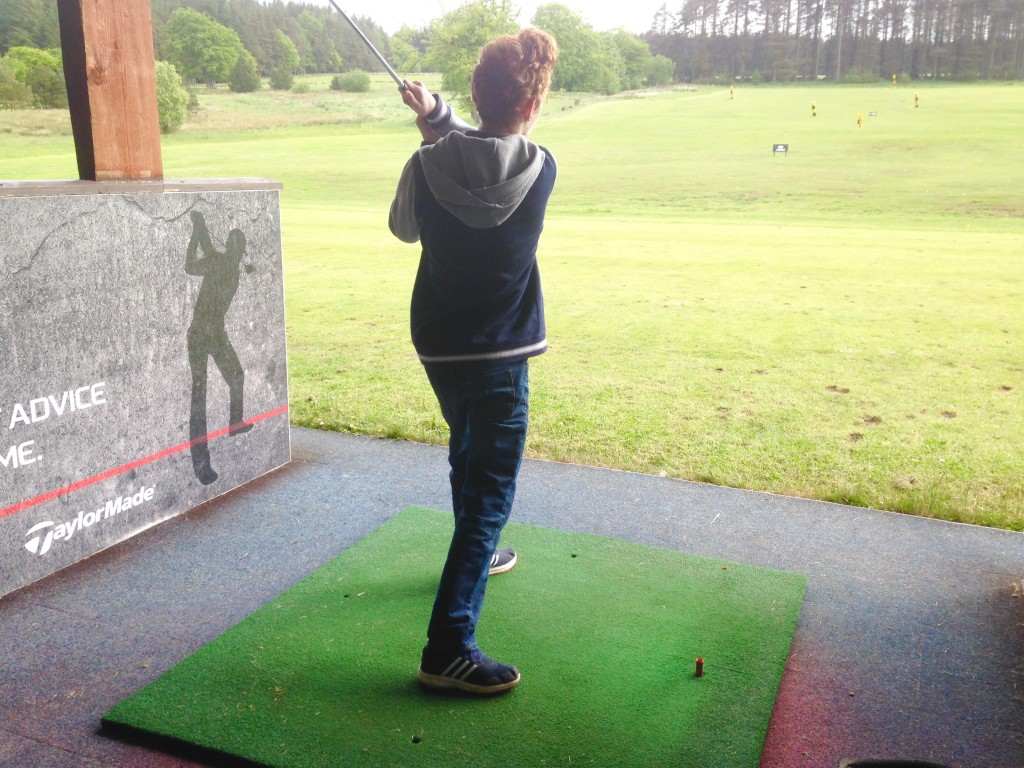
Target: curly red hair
(513, 70)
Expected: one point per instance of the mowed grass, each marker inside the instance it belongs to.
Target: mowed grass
(842, 322)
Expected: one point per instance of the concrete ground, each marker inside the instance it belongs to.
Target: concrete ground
(910, 642)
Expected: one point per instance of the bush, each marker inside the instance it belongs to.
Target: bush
(301, 87)
(659, 70)
(171, 97)
(281, 78)
(23, 59)
(354, 80)
(13, 95)
(285, 58)
(48, 88)
(34, 76)
(245, 76)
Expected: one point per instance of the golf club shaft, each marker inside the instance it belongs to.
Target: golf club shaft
(371, 46)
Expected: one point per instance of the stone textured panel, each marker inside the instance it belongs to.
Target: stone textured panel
(142, 364)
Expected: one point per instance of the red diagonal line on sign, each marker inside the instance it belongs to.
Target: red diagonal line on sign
(50, 495)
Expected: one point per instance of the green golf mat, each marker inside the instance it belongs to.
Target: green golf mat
(604, 632)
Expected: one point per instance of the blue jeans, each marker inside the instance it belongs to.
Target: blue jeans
(486, 406)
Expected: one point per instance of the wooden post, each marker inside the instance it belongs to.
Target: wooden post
(111, 79)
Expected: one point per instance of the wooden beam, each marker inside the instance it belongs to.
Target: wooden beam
(111, 79)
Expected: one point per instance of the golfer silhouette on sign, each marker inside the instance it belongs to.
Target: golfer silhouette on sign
(207, 336)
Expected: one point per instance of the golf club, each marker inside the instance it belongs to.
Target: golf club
(380, 58)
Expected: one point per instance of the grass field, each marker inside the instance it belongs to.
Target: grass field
(840, 322)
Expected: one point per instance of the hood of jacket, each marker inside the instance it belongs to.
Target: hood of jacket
(481, 179)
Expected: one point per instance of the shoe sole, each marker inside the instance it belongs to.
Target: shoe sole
(441, 683)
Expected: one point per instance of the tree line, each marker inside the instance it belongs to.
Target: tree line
(242, 41)
(239, 42)
(323, 40)
(195, 41)
(842, 40)
(588, 61)
(204, 40)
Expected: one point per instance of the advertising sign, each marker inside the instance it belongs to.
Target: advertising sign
(142, 364)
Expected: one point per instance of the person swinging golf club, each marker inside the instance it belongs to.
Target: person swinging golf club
(475, 200)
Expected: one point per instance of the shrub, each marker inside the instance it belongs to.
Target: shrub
(659, 70)
(171, 97)
(354, 80)
(23, 59)
(301, 87)
(33, 75)
(13, 95)
(281, 78)
(245, 76)
(48, 88)
(285, 58)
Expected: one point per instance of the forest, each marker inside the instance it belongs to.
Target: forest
(706, 40)
(320, 36)
(842, 40)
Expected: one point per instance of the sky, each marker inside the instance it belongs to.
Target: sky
(634, 15)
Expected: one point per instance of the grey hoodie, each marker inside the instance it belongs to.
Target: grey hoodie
(479, 178)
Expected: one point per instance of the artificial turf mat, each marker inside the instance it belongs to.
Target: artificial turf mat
(604, 632)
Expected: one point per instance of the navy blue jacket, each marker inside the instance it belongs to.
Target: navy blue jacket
(476, 203)
(477, 294)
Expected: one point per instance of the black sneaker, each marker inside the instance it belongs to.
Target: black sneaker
(503, 560)
(470, 671)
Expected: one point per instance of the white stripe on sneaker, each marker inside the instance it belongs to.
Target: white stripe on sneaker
(459, 661)
(467, 673)
(460, 669)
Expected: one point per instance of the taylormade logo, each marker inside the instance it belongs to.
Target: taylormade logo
(45, 533)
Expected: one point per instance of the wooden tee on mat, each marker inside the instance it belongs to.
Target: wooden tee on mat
(111, 79)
